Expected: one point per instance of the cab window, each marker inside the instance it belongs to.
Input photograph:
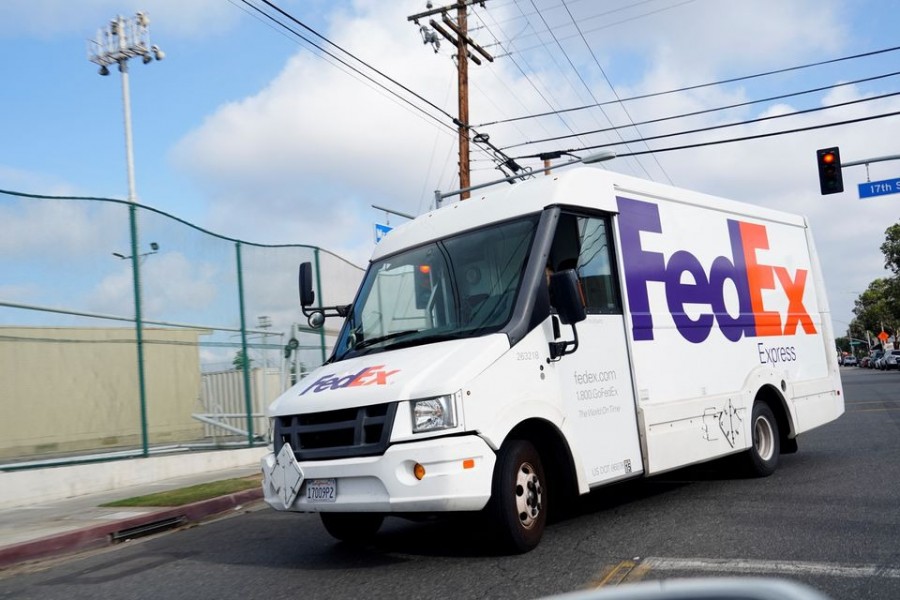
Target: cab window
(584, 243)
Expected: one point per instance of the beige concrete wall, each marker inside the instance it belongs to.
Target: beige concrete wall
(76, 389)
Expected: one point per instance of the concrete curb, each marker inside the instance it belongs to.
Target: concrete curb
(109, 533)
(40, 485)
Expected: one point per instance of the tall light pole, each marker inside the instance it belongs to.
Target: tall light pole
(122, 40)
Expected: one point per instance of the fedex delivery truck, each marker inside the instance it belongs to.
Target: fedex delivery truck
(514, 350)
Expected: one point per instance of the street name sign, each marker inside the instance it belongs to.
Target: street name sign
(884, 187)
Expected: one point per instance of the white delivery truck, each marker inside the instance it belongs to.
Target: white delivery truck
(509, 351)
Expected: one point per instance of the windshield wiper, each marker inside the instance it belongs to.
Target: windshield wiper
(430, 339)
(383, 338)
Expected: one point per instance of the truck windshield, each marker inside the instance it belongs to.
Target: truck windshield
(462, 286)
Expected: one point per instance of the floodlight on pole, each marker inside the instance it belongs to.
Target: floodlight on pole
(120, 41)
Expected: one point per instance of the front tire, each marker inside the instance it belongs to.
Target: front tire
(518, 505)
(765, 447)
(352, 527)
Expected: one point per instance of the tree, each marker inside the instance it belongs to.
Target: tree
(843, 344)
(878, 306)
(239, 360)
(891, 248)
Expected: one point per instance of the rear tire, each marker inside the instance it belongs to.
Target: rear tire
(765, 445)
(518, 505)
(352, 527)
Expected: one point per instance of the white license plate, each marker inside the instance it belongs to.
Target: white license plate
(321, 490)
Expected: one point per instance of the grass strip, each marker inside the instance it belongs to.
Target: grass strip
(194, 493)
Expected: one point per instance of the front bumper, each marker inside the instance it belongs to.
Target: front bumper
(458, 474)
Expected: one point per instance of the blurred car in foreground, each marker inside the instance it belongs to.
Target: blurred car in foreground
(710, 588)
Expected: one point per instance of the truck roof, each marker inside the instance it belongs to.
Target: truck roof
(587, 187)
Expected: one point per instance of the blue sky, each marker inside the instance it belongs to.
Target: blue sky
(245, 131)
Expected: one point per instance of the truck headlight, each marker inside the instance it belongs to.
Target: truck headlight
(433, 414)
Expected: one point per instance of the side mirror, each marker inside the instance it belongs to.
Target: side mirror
(315, 316)
(307, 295)
(566, 297)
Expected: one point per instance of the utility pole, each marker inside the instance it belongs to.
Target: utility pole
(459, 37)
(462, 67)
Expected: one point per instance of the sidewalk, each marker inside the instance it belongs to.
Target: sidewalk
(42, 529)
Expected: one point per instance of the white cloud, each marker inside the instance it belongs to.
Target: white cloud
(305, 158)
(43, 229)
(44, 183)
(171, 286)
(19, 293)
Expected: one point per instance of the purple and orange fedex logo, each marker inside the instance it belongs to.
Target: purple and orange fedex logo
(749, 277)
(376, 375)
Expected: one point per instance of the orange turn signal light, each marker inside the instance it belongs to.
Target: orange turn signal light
(469, 463)
(419, 471)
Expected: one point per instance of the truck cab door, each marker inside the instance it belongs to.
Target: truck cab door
(596, 380)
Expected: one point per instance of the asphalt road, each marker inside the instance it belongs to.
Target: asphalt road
(829, 517)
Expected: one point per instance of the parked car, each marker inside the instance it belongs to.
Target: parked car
(873, 363)
(850, 361)
(891, 360)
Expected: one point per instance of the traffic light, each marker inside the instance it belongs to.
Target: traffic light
(830, 179)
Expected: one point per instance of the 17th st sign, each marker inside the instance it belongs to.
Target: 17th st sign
(884, 187)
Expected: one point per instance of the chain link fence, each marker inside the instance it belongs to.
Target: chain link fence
(125, 331)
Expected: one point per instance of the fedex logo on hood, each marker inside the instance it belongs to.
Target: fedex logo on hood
(748, 276)
(376, 375)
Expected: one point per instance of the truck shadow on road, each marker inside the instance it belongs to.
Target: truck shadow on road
(468, 535)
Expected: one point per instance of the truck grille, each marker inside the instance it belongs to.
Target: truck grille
(362, 431)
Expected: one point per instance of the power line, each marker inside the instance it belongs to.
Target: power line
(712, 110)
(354, 57)
(580, 78)
(755, 136)
(287, 15)
(697, 86)
(613, 89)
(328, 58)
(749, 121)
(352, 67)
(511, 94)
(596, 16)
(356, 70)
(528, 78)
(547, 52)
